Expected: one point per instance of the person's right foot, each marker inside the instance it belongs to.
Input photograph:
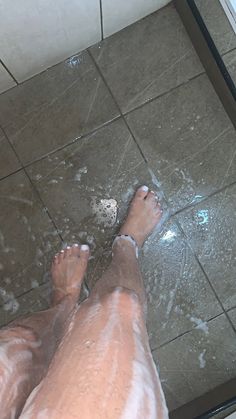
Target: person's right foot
(144, 214)
(68, 269)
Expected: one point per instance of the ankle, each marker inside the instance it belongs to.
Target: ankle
(60, 296)
(124, 243)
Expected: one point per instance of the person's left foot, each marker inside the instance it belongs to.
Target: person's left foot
(68, 269)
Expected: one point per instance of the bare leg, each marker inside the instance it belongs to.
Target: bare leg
(104, 368)
(27, 345)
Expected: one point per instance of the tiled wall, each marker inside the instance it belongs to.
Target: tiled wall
(38, 34)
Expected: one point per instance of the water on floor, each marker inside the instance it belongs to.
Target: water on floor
(78, 139)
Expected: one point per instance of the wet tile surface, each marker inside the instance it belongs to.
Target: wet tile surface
(55, 107)
(217, 24)
(147, 59)
(191, 148)
(9, 162)
(87, 185)
(197, 362)
(36, 299)
(179, 295)
(210, 227)
(184, 148)
(27, 240)
(232, 315)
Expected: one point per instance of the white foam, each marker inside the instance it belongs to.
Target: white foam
(202, 361)
(201, 325)
(80, 172)
(34, 283)
(105, 211)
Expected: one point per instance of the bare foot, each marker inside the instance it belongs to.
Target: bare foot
(68, 269)
(144, 214)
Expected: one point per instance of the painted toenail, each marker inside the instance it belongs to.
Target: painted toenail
(62, 251)
(144, 188)
(84, 247)
(68, 247)
(75, 245)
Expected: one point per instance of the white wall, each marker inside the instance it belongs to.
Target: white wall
(36, 34)
(121, 13)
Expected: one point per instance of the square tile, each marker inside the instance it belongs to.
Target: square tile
(126, 12)
(179, 295)
(46, 32)
(27, 238)
(191, 148)
(55, 108)
(6, 81)
(217, 24)
(147, 59)
(195, 363)
(211, 230)
(78, 182)
(85, 184)
(8, 161)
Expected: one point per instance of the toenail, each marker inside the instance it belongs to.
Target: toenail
(62, 251)
(75, 245)
(84, 247)
(144, 188)
(68, 247)
(152, 192)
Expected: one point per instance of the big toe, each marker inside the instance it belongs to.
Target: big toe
(141, 192)
(84, 253)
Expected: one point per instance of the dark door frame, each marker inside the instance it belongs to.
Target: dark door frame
(209, 55)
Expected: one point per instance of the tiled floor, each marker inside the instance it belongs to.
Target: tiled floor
(137, 108)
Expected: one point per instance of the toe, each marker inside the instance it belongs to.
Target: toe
(56, 259)
(151, 197)
(84, 252)
(61, 255)
(68, 251)
(158, 209)
(141, 192)
(75, 250)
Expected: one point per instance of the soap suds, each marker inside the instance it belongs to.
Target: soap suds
(105, 211)
(201, 325)
(202, 361)
(80, 172)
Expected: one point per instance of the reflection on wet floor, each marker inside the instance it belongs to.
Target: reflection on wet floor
(83, 161)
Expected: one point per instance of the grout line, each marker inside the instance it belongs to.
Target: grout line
(10, 74)
(126, 113)
(101, 17)
(184, 333)
(203, 199)
(231, 308)
(206, 276)
(82, 137)
(227, 52)
(44, 206)
(12, 173)
(12, 147)
(23, 168)
(119, 109)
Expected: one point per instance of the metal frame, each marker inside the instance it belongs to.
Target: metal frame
(209, 55)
